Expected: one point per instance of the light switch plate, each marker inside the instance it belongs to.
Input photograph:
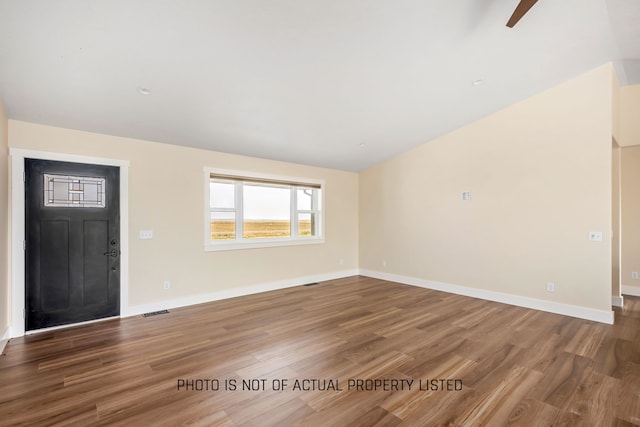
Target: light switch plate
(595, 236)
(146, 234)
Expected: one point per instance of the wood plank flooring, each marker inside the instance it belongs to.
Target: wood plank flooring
(364, 352)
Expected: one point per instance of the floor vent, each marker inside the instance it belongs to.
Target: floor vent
(155, 313)
(311, 284)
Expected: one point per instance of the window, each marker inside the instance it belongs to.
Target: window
(74, 191)
(249, 210)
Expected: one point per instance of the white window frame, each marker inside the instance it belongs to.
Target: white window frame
(240, 242)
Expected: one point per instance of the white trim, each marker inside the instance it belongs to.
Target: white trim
(265, 176)
(64, 157)
(603, 316)
(18, 225)
(210, 246)
(631, 290)
(262, 243)
(617, 301)
(237, 292)
(4, 339)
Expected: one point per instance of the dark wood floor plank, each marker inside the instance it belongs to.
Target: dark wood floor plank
(542, 355)
(515, 366)
(437, 409)
(495, 406)
(377, 417)
(612, 356)
(587, 340)
(531, 412)
(596, 399)
(628, 407)
(492, 369)
(562, 379)
(404, 404)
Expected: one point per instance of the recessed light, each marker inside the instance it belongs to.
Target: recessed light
(362, 144)
(144, 90)
(477, 82)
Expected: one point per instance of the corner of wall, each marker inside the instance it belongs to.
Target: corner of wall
(628, 108)
(615, 107)
(630, 195)
(5, 307)
(522, 166)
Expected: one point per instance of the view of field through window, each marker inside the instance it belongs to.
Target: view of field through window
(265, 213)
(256, 229)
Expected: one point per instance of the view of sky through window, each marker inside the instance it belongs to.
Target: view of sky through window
(260, 202)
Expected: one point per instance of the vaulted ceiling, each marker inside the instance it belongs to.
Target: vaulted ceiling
(335, 83)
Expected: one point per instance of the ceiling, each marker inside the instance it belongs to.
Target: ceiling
(342, 84)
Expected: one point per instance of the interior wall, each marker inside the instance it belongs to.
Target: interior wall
(616, 209)
(615, 106)
(539, 177)
(629, 140)
(616, 212)
(4, 224)
(629, 111)
(630, 161)
(166, 195)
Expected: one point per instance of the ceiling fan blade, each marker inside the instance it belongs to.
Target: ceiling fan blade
(523, 7)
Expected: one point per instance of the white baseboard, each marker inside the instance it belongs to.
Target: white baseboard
(602, 316)
(617, 301)
(232, 293)
(631, 290)
(4, 339)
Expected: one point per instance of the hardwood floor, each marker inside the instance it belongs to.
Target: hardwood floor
(364, 352)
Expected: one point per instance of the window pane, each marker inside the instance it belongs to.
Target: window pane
(74, 191)
(266, 212)
(223, 225)
(222, 195)
(307, 224)
(304, 199)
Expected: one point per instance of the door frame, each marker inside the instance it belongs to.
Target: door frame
(17, 324)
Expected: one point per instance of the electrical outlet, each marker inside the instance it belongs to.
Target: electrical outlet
(551, 287)
(166, 284)
(634, 275)
(341, 262)
(384, 263)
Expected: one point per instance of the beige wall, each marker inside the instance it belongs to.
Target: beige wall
(615, 191)
(616, 212)
(615, 106)
(630, 216)
(539, 173)
(629, 111)
(166, 195)
(629, 140)
(4, 223)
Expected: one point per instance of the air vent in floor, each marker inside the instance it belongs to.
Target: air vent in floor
(155, 313)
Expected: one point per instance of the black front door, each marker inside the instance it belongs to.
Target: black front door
(72, 234)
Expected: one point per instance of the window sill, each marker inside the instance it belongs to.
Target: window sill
(266, 243)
